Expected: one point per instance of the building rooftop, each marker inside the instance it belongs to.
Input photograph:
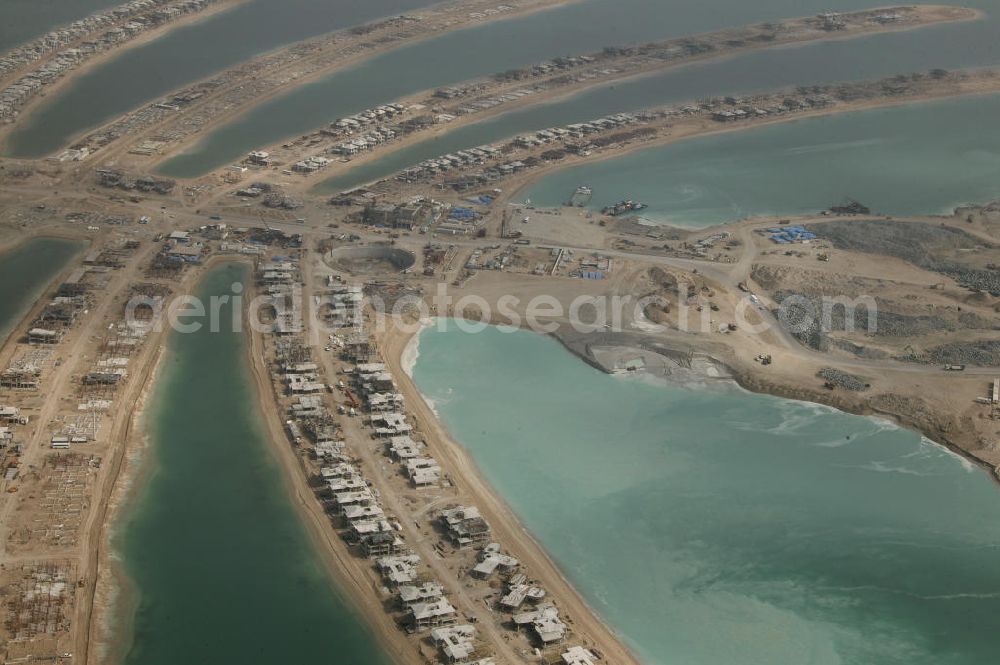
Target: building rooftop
(578, 656)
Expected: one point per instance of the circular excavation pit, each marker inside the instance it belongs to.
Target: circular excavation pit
(370, 260)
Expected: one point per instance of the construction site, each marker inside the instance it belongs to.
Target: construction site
(400, 514)
(379, 485)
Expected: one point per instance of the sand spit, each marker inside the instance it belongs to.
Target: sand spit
(474, 101)
(200, 107)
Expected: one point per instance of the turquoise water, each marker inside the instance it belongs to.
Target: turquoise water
(26, 271)
(223, 569)
(916, 159)
(197, 51)
(718, 528)
(577, 28)
(181, 57)
(757, 71)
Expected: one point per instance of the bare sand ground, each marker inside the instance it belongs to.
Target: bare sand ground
(95, 543)
(793, 379)
(59, 385)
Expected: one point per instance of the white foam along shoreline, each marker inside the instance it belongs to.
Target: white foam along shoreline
(408, 359)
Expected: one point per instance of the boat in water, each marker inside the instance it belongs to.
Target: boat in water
(580, 197)
(849, 207)
(623, 207)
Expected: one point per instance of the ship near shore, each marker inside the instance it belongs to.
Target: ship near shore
(623, 207)
(880, 157)
(581, 197)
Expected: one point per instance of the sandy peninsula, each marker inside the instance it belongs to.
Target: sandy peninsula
(935, 379)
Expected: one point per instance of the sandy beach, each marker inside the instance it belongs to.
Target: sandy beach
(351, 574)
(903, 378)
(591, 630)
(97, 625)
